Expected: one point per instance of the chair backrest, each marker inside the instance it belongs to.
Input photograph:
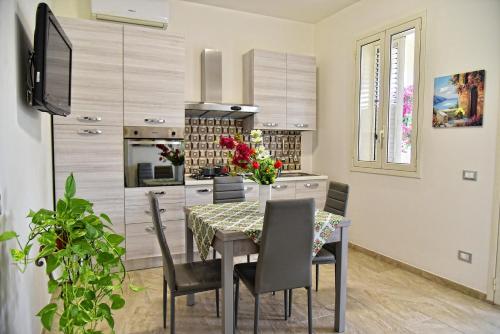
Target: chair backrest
(168, 262)
(285, 252)
(228, 189)
(336, 199)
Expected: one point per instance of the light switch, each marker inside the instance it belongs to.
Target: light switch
(464, 256)
(470, 175)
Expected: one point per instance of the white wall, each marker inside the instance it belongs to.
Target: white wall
(25, 168)
(422, 222)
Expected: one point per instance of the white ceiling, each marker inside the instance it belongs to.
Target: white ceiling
(310, 11)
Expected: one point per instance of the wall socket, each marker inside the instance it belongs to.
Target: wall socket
(469, 175)
(465, 256)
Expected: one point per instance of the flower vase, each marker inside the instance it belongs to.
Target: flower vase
(264, 196)
(179, 173)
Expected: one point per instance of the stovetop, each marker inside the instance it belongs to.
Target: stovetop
(203, 177)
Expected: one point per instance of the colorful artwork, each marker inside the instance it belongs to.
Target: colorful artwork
(459, 100)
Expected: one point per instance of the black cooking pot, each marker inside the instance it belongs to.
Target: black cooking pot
(211, 171)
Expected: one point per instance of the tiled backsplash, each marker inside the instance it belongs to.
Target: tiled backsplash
(202, 143)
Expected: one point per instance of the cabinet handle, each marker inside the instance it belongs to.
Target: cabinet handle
(152, 229)
(301, 125)
(89, 132)
(149, 212)
(157, 193)
(89, 118)
(206, 190)
(311, 185)
(270, 125)
(154, 120)
(280, 186)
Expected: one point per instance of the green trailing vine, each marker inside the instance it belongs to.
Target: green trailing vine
(83, 258)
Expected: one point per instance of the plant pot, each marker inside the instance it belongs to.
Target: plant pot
(264, 196)
(179, 173)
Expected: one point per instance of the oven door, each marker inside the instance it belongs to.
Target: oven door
(144, 166)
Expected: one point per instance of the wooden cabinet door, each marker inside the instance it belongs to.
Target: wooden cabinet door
(95, 156)
(97, 73)
(153, 77)
(268, 88)
(312, 189)
(300, 92)
(283, 190)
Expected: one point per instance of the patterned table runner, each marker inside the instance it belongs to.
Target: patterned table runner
(206, 220)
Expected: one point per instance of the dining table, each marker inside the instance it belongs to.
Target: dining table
(234, 229)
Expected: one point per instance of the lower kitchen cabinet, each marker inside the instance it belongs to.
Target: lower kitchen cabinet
(197, 195)
(312, 189)
(283, 190)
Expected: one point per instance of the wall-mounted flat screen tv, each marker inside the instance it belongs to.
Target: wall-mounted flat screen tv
(51, 64)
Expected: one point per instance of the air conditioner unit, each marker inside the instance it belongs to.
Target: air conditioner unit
(154, 13)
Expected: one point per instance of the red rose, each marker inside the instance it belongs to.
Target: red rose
(278, 164)
(227, 142)
(255, 165)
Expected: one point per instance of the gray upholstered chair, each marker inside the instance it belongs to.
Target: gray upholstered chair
(285, 254)
(228, 189)
(185, 278)
(336, 203)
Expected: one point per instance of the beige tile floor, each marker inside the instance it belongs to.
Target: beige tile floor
(381, 299)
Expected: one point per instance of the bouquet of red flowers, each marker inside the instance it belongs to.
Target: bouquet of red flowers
(174, 156)
(256, 163)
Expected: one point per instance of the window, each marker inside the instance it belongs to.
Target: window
(387, 82)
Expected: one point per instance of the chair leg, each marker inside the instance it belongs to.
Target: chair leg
(164, 303)
(217, 302)
(236, 300)
(172, 314)
(285, 301)
(290, 303)
(256, 316)
(309, 311)
(317, 277)
(248, 258)
(214, 254)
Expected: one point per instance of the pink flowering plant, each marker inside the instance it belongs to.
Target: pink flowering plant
(255, 163)
(406, 125)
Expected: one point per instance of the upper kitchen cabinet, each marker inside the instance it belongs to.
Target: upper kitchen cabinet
(153, 77)
(300, 92)
(283, 86)
(97, 73)
(265, 85)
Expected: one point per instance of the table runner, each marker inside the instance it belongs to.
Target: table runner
(205, 220)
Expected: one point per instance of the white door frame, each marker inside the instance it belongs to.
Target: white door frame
(494, 268)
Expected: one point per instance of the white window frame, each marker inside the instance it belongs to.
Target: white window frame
(380, 165)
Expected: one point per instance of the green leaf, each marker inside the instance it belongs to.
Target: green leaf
(135, 288)
(52, 286)
(61, 206)
(117, 302)
(52, 263)
(92, 232)
(70, 187)
(104, 309)
(17, 255)
(104, 258)
(106, 218)
(27, 249)
(110, 320)
(47, 315)
(115, 239)
(7, 235)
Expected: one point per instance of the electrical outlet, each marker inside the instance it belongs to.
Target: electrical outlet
(464, 256)
(469, 175)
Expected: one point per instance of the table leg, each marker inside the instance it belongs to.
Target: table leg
(341, 249)
(189, 254)
(227, 288)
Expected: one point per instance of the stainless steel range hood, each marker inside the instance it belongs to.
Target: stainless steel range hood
(211, 105)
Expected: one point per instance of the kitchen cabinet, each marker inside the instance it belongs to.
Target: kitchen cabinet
(142, 243)
(283, 85)
(265, 86)
(153, 79)
(197, 195)
(283, 190)
(97, 73)
(312, 189)
(300, 92)
(94, 154)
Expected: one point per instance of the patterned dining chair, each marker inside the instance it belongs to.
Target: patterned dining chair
(184, 278)
(282, 265)
(228, 189)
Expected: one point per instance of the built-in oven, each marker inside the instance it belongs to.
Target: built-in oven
(148, 153)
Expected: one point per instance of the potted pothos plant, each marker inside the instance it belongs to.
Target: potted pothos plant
(254, 163)
(83, 258)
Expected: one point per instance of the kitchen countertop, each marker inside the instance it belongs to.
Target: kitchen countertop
(189, 181)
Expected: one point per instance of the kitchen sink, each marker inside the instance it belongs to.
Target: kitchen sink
(296, 174)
